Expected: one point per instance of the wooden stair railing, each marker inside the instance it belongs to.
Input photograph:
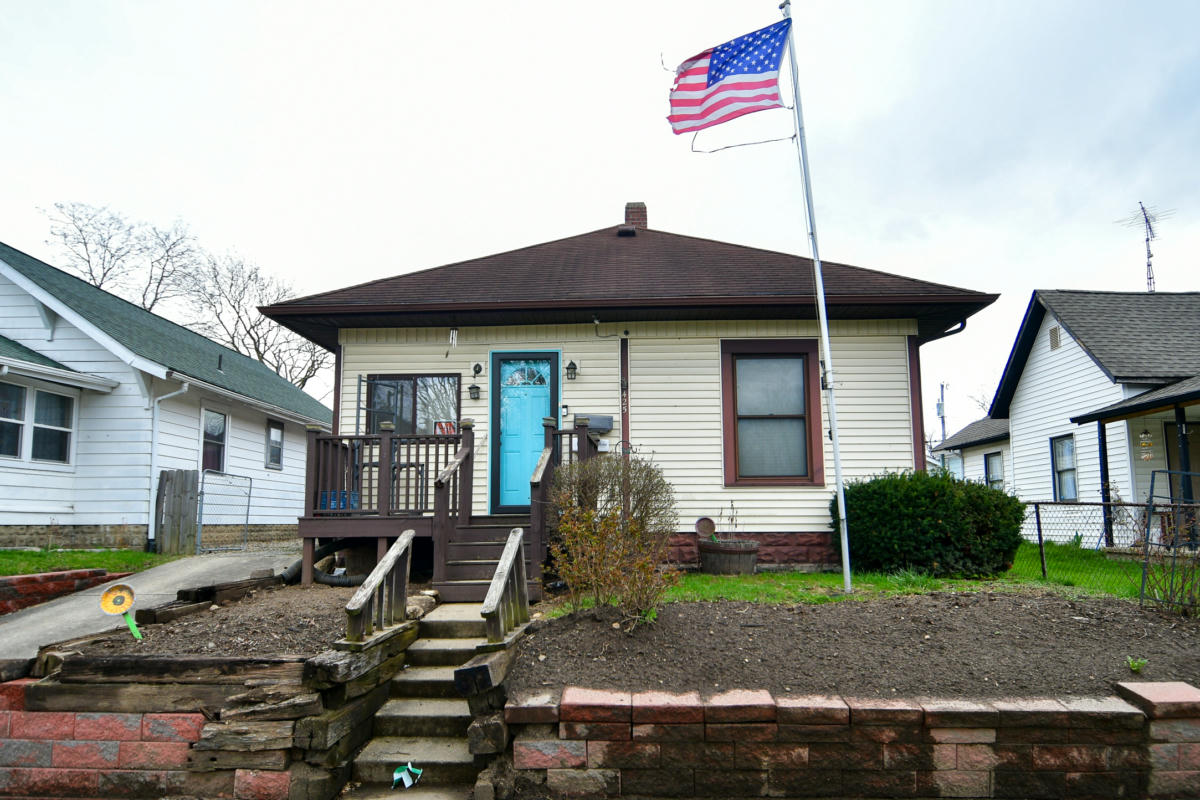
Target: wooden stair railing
(457, 474)
(382, 600)
(507, 602)
(578, 445)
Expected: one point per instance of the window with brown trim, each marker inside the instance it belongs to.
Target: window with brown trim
(415, 403)
(771, 412)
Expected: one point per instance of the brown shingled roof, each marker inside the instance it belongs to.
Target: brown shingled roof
(648, 275)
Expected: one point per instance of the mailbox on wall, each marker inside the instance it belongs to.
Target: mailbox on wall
(597, 423)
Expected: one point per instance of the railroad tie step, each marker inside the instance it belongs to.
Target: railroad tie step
(423, 716)
(418, 792)
(443, 760)
(443, 652)
(425, 682)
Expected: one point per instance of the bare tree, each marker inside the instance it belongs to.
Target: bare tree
(224, 293)
(152, 267)
(139, 262)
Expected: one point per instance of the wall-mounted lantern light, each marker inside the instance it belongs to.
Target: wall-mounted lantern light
(473, 391)
(572, 370)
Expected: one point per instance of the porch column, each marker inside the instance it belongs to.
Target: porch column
(1105, 491)
(1185, 481)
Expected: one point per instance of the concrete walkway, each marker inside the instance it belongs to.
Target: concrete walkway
(24, 631)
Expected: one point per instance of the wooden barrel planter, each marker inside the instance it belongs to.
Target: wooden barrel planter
(728, 556)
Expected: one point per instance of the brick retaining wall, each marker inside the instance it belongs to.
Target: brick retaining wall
(21, 591)
(748, 744)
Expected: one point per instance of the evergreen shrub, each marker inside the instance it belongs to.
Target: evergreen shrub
(930, 522)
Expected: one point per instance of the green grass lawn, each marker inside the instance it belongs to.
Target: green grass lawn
(27, 562)
(1069, 568)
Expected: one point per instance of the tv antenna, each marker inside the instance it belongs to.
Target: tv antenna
(1147, 218)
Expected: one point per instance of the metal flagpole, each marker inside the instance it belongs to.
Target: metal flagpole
(827, 364)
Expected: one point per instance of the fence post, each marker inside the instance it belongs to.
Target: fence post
(1037, 515)
(466, 473)
(1105, 488)
(383, 495)
(582, 443)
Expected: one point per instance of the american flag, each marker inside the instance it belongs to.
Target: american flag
(729, 80)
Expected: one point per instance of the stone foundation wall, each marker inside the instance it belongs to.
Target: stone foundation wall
(73, 537)
(791, 549)
(233, 535)
(82, 537)
(750, 744)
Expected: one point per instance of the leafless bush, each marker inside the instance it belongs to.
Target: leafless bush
(614, 518)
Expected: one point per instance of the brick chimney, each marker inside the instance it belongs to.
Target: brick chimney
(635, 215)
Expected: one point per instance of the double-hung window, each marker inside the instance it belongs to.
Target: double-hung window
(772, 412)
(274, 444)
(213, 455)
(422, 404)
(36, 425)
(1062, 468)
(993, 470)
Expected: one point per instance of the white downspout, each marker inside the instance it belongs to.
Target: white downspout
(151, 517)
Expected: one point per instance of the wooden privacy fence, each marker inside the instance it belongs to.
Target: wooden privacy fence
(175, 509)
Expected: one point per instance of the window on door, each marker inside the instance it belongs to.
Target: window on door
(993, 470)
(1062, 466)
(421, 404)
(213, 456)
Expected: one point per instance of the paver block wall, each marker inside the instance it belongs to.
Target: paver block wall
(749, 743)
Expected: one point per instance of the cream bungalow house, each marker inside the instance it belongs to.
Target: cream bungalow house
(701, 355)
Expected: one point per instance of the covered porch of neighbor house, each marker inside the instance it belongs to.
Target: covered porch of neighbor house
(376, 486)
(1164, 461)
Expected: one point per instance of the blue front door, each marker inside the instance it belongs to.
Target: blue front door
(524, 391)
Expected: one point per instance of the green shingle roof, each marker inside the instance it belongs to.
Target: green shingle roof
(18, 351)
(163, 342)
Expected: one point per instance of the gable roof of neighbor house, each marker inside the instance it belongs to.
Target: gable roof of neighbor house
(1133, 337)
(627, 273)
(19, 352)
(981, 431)
(162, 342)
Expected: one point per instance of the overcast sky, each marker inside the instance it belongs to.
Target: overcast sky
(988, 145)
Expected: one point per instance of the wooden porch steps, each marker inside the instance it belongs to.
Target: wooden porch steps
(425, 721)
(473, 553)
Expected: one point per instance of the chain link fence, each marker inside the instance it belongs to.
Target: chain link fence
(224, 511)
(1137, 550)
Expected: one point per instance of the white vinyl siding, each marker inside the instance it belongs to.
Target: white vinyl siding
(108, 481)
(973, 462)
(675, 399)
(1055, 386)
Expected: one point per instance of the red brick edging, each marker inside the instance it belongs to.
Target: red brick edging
(21, 591)
(1145, 743)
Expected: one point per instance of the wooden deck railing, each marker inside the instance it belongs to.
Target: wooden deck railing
(452, 497)
(507, 602)
(384, 474)
(567, 445)
(382, 600)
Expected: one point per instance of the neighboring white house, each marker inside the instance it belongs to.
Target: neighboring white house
(1097, 390)
(97, 396)
(979, 452)
(702, 355)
